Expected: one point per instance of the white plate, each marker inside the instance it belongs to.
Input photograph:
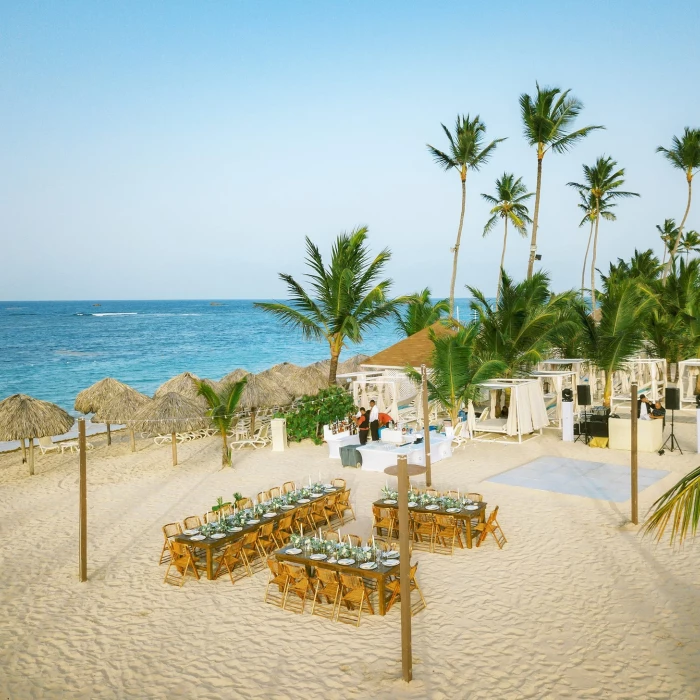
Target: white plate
(191, 532)
(318, 557)
(303, 500)
(390, 502)
(453, 510)
(198, 538)
(328, 486)
(236, 529)
(287, 507)
(368, 565)
(346, 562)
(218, 535)
(393, 554)
(294, 550)
(412, 504)
(317, 495)
(270, 515)
(471, 507)
(391, 562)
(252, 522)
(433, 506)
(332, 561)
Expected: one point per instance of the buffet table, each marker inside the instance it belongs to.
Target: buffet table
(376, 456)
(335, 442)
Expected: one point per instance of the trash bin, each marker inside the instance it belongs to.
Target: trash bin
(279, 434)
(350, 456)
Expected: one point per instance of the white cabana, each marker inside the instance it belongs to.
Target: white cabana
(648, 372)
(687, 378)
(526, 413)
(552, 383)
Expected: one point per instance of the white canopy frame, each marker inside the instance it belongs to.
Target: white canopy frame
(688, 371)
(586, 373)
(648, 372)
(557, 380)
(526, 414)
(383, 390)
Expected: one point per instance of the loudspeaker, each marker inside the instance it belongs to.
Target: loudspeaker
(567, 395)
(673, 398)
(583, 394)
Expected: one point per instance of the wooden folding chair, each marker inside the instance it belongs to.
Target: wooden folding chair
(298, 583)
(317, 515)
(423, 525)
(343, 506)
(331, 536)
(383, 521)
(288, 486)
(301, 518)
(283, 531)
(329, 508)
(263, 496)
(181, 560)
(211, 517)
(431, 492)
(451, 494)
(275, 492)
(243, 503)
(339, 483)
(278, 580)
(476, 497)
(192, 522)
(354, 597)
(447, 530)
(328, 587)
(381, 544)
(355, 540)
(250, 550)
(266, 539)
(169, 530)
(492, 526)
(229, 559)
(395, 588)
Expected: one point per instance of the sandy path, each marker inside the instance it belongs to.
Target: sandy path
(577, 605)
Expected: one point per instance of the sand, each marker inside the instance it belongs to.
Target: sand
(576, 605)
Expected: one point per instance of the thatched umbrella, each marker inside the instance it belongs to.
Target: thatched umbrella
(184, 384)
(234, 376)
(92, 399)
(262, 392)
(352, 364)
(305, 381)
(22, 417)
(122, 408)
(171, 413)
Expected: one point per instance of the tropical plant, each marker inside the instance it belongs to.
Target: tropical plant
(311, 413)
(419, 312)
(547, 121)
(690, 243)
(684, 155)
(668, 233)
(602, 183)
(680, 506)
(456, 369)
(591, 209)
(509, 205)
(345, 298)
(466, 152)
(619, 335)
(222, 409)
(643, 266)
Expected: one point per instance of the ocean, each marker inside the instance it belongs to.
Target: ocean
(52, 350)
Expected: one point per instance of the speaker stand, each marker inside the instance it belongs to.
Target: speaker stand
(671, 439)
(585, 427)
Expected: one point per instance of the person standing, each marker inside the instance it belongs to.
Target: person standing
(362, 426)
(374, 420)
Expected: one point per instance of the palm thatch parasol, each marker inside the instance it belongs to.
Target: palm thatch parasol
(352, 364)
(122, 408)
(23, 417)
(184, 384)
(305, 381)
(92, 399)
(262, 392)
(171, 413)
(234, 376)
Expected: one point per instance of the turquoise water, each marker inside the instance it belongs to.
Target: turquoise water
(53, 350)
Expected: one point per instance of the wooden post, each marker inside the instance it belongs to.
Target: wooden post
(31, 456)
(426, 425)
(174, 441)
(109, 435)
(82, 446)
(404, 571)
(633, 456)
(24, 451)
(132, 437)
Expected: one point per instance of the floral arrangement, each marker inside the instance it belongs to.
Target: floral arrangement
(426, 499)
(341, 550)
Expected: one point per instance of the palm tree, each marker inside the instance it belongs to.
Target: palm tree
(602, 184)
(547, 120)
(668, 233)
(466, 151)
(222, 407)
(590, 209)
(690, 243)
(457, 369)
(509, 205)
(684, 155)
(680, 506)
(344, 299)
(420, 312)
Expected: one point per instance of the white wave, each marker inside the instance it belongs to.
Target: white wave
(117, 313)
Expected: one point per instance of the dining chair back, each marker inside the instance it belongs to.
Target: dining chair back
(169, 530)
(192, 522)
(492, 526)
(328, 589)
(181, 561)
(231, 557)
(354, 598)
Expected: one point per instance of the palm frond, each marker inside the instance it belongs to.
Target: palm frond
(680, 506)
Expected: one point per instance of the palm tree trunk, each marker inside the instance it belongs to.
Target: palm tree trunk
(457, 243)
(536, 216)
(226, 454)
(672, 255)
(336, 346)
(503, 260)
(585, 259)
(593, 256)
(663, 262)
(607, 392)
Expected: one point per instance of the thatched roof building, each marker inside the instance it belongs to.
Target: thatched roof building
(413, 351)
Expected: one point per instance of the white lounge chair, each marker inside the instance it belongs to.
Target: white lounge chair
(260, 439)
(460, 437)
(46, 444)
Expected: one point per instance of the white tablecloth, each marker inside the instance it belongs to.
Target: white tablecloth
(335, 442)
(377, 456)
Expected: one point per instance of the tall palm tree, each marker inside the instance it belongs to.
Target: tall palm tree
(222, 407)
(509, 205)
(420, 312)
(457, 369)
(345, 298)
(684, 155)
(466, 152)
(547, 120)
(602, 183)
(668, 233)
(590, 208)
(690, 243)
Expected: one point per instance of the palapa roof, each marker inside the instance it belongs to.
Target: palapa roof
(122, 407)
(414, 351)
(234, 376)
(90, 400)
(305, 381)
(22, 417)
(184, 384)
(263, 392)
(170, 413)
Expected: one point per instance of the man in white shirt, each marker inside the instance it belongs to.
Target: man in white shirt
(374, 420)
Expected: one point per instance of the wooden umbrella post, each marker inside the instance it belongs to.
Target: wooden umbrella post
(174, 441)
(426, 425)
(109, 435)
(82, 446)
(405, 571)
(633, 457)
(31, 456)
(132, 438)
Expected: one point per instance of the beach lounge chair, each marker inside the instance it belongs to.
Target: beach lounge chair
(460, 437)
(260, 439)
(46, 444)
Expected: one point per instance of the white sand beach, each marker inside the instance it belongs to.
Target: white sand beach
(576, 605)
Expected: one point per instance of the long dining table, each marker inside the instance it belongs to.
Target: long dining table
(211, 544)
(466, 516)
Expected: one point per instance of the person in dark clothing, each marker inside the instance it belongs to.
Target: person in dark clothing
(658, 412)
(362, 426)
(374, 420)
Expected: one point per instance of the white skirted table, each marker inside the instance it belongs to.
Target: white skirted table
(335, 442)
(377, 456)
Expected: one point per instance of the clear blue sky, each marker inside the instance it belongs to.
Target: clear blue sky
(184, 149)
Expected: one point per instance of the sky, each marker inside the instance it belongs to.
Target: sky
(183, 150)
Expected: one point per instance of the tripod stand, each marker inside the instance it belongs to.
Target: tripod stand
(671, 439)
(585, 427)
